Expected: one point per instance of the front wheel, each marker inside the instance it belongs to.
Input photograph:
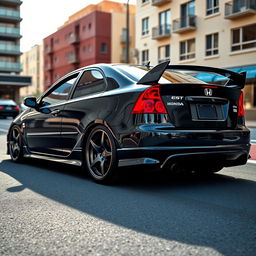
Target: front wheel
(100, 155)
(15, 144)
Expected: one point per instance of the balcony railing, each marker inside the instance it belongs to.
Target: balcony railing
(123, 38)
(10, 66)
(12, 32)
(74, 39)
(184, 24)
(10, 49)
(160, 2)
(48, 67)
(162, 31)
(12, 2)
(238, 8)
(49, 50)
(9, 15)
(73, 59)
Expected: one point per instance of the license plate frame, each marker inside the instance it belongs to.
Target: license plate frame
(207, 112)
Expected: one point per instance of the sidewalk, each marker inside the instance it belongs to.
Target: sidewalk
(251, 123)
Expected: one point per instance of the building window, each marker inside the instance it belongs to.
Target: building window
(163, 53)
(103, 48)
(89, 26)
(84, 49)
(164, 22)
(243, 38)
(212, 6)
(144, 1)
(187, 49)
(144, 57)
(145, 26)
(89, 48)
(212, 44)
(56, 59)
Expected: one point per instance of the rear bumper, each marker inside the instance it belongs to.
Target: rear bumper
(228, 148)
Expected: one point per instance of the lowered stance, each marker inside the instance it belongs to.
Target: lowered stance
(107, 116)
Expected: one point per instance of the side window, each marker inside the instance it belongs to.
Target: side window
(91, 82)
(60, 93)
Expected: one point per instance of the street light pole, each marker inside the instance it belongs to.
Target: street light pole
(127, 33)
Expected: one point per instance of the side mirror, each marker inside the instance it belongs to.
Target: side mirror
(30, 102)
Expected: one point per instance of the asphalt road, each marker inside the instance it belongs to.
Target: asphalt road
(53, 209)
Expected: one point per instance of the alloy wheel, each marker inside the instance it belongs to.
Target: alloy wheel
(101, 154)
(15, 144)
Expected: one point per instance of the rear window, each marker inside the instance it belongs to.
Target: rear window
(169, 76)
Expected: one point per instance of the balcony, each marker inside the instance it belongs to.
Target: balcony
(162, 31)
(159, 2)
(73, 59)
(74, 39)
(11, 2)
(123, 39)
(10, 32)
(10, 66)
(239, 8)
(49, 50)
(184, 24)
(9, 15)
(10, 49)
(48, 67)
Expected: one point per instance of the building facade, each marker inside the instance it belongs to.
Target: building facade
(202, 32)
(10, 66)
(95, 34)
(32, 63)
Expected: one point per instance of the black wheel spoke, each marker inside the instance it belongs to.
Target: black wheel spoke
(102, 167)
(95, 161)
(95, 146)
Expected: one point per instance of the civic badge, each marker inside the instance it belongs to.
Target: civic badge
(208, 92)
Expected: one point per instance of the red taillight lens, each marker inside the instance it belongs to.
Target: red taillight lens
(240, 111)
(16, 108)
(1, 107)
(150, 102)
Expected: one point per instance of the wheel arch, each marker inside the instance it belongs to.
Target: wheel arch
(94, 124)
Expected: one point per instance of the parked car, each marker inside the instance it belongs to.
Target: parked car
(8, 108)
(106, 116)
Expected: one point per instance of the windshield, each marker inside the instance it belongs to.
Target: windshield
(169, 76)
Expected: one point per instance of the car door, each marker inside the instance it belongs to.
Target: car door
(81, 109)
(43, 126)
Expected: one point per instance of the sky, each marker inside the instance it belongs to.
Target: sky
(42, 17)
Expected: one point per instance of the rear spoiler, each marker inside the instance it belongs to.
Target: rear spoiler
(154, 75)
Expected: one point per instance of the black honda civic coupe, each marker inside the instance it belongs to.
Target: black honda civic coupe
(107, 116)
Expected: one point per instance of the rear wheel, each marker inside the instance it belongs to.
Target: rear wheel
(15, 144)
(100, 154)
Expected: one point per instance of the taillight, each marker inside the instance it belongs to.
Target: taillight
(1, 107)
(150, 102)
(240, 111)
(16, 108)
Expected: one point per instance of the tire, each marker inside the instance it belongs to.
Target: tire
(15, 144)
(100, 155)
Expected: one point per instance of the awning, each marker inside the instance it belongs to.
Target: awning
(207, 77)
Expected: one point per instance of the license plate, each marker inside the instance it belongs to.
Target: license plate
(8, 108)
(207, 111)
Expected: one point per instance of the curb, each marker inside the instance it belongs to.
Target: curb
(251, 162)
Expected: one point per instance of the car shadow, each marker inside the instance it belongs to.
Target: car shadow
(217, 212)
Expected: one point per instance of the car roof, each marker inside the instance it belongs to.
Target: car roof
(7, 102)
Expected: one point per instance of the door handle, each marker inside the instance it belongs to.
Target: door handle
(55, 112)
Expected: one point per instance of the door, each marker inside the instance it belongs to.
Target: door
(82, 109)
(43, 126)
